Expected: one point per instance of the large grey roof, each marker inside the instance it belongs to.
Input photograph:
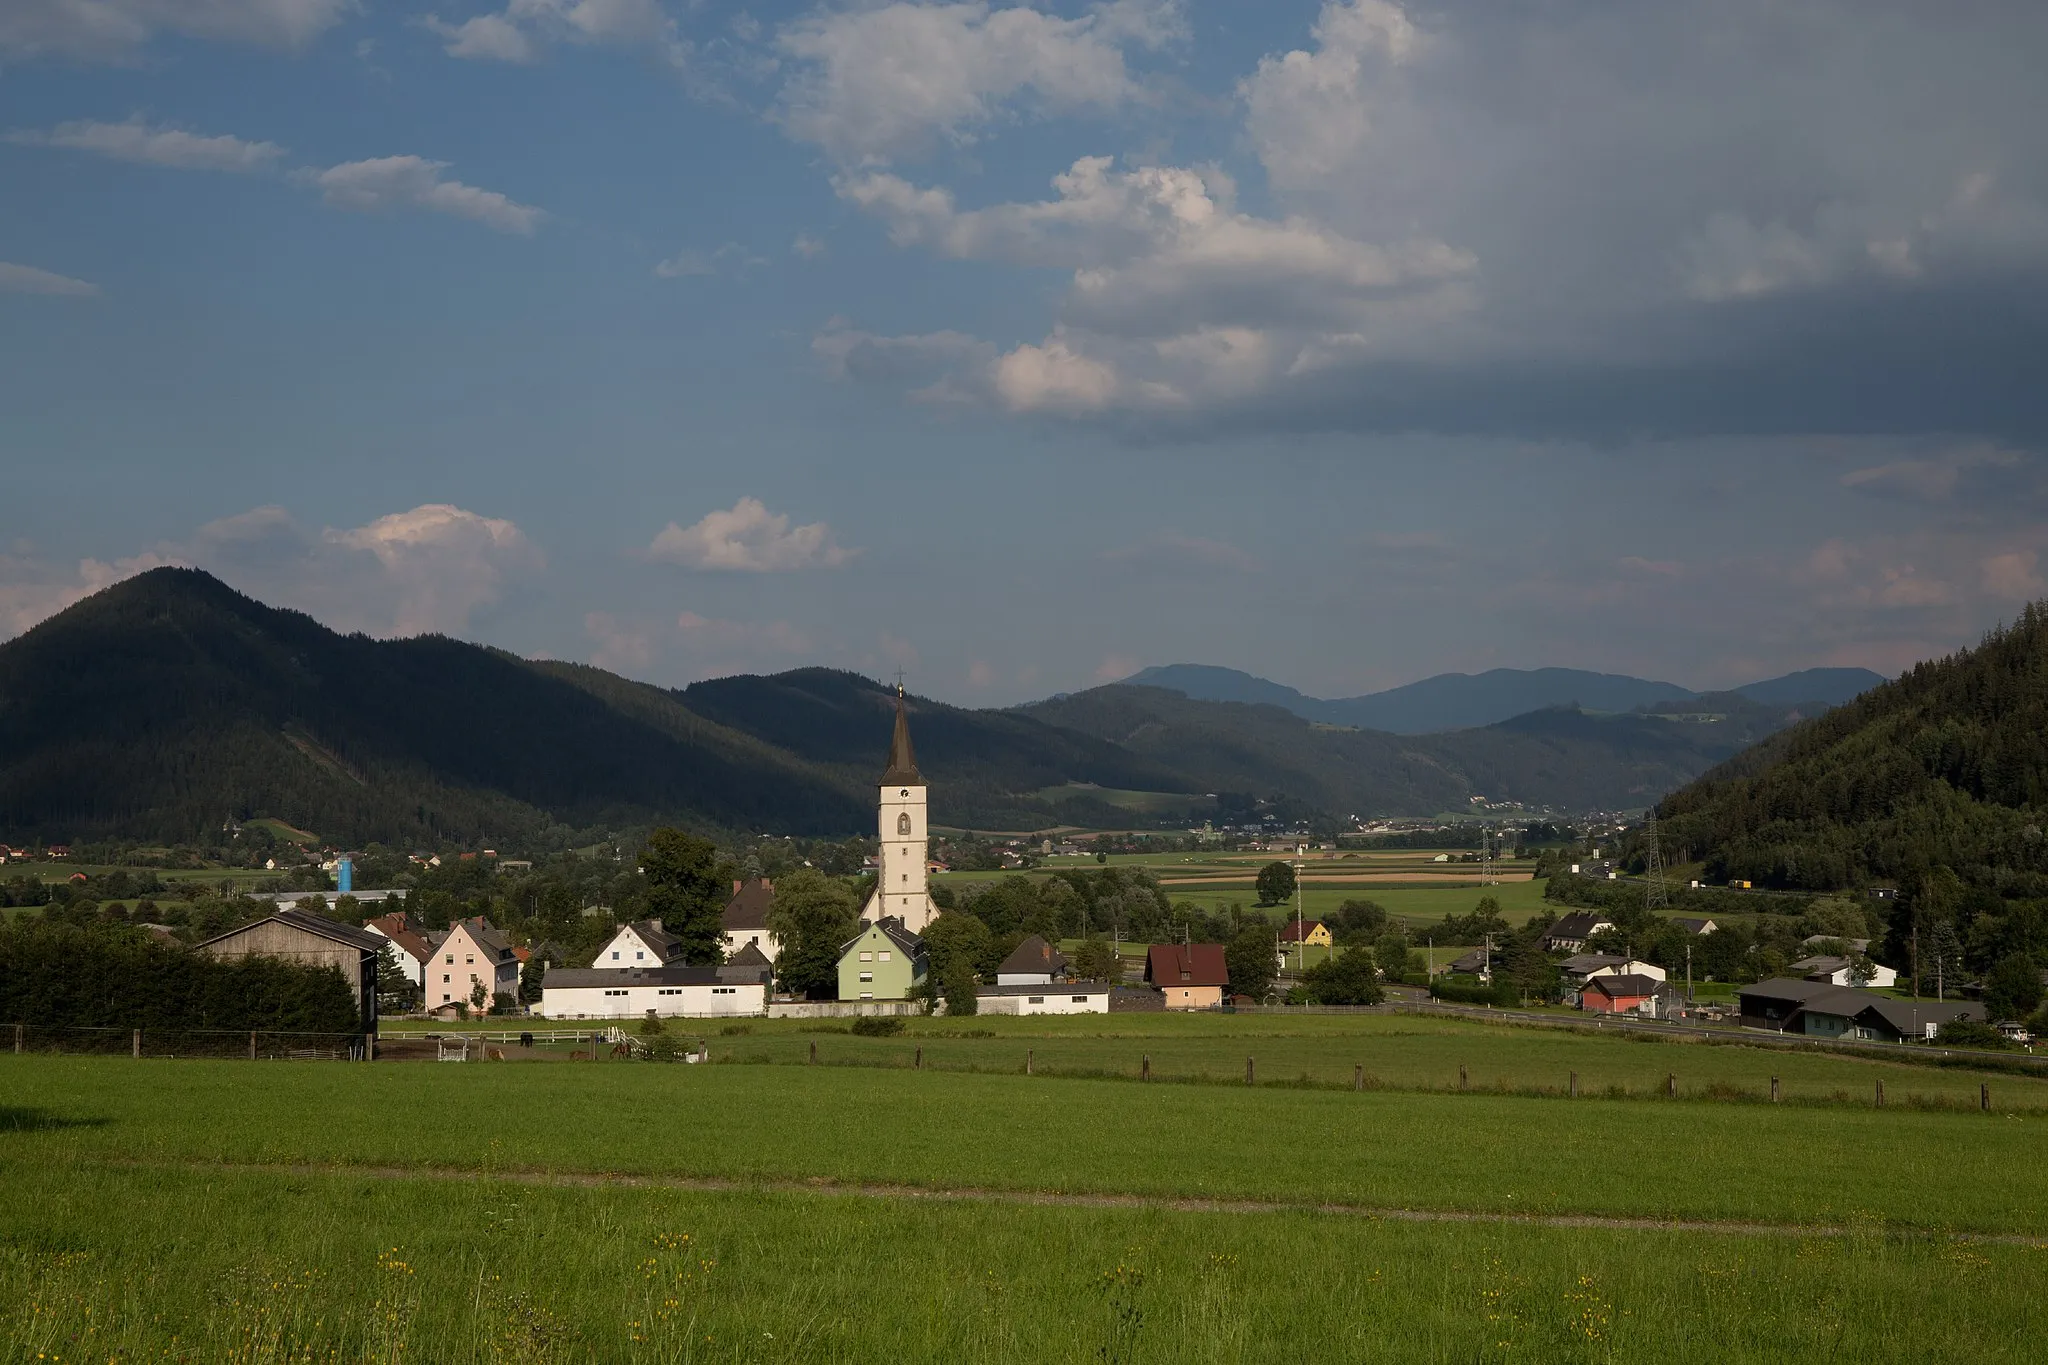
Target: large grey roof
(331, 930)
(569, 978)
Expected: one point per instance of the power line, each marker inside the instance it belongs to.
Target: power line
(1655, 897)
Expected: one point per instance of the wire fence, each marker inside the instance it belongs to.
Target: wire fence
(249, 1044)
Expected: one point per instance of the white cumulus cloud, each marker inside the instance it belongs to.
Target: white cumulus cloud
(876, 83)
(748, 538)
(394, 182)
(135, 140)
(521, 31)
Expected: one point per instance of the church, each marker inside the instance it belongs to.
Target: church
(901, 892)
(886, 959)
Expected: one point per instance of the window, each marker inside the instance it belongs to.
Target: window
(639, 956)
(867, 976)
(906, 876)
(451, 959)
(615, 957)
(444, 976)
(903, 824)
(1036, 999)
(882, 956)
(468, 961)
(867, 995)
(867, 957)
(444, 994)
(1080, 999)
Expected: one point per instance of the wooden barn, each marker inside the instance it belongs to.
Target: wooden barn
(313, 941)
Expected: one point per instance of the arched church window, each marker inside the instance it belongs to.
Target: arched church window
(903, 823)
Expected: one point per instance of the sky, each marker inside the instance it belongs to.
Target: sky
(1020, 347)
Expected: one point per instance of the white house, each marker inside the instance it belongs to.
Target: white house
(472, 952)
(1059, 997)
(410, 947)
(745, 921)
(1629, 966)
(629, 993)
(643, 943)
(1843, 971)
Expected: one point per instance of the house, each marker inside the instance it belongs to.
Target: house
(407, 944)
(1192, 976)
(748, 964)
(1580, 968)
(635, 992)
(1822, 1010)
(1571, 931)
(1062, 997)
(643, 943)
(884, 961)
(313, 941)
(745, 920)
(472, 952)
(1034, 963)
(1477, 963)
(1844, 971)
(1312, 932)
(1627, 993)
(1699, 928)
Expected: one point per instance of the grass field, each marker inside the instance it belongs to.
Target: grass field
(616, 1211)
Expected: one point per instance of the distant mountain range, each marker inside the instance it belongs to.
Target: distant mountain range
(1463, 701)
(169, 704)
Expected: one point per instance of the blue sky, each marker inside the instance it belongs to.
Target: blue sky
(1020, 347)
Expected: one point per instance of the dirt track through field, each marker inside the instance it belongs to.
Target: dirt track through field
(1075, 1200)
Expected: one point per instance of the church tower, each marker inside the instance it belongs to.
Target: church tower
(901, 890)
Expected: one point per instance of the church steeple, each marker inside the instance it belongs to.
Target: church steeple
(902, 769)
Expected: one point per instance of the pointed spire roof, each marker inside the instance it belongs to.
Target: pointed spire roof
(902, 767)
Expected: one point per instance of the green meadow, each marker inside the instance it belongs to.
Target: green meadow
(762, 1208)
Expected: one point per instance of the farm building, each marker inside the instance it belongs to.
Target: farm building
(631, 992)
(885, 961)
(1822, 1010)
(298, 937)
(1626, 993)
(1190, 976)
(1059, 997)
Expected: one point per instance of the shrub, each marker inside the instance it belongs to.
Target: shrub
(1502, 993)
(1969, 1033)
(878, 1025)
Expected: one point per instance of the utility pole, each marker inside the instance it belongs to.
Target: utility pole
(1300, 943)
(1654, 894)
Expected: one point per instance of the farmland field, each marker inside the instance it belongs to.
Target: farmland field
(861, 1209)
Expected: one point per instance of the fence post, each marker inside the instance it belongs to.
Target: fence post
(1880, 1094)
(1671, 1086)
(1027, 1059)
(1984, 1096)
(1575, 1085)
(1250, 1072)
(1145, 1067)
(252, 1045)
(1464, 1078)
(814, 1052)
(1358, 1076)
(918, 1065)
(1774, 1090)
(17, 1037)
(135, 1044)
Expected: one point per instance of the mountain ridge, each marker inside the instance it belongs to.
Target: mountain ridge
(1460, 701)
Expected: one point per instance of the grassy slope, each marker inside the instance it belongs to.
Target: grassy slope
(1450, 1151)
(105, 1264)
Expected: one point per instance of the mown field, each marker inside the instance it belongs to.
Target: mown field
(863, 1209)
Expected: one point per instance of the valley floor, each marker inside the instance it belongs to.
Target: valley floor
(865, 1208)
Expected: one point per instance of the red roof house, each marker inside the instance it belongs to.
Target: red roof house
(1192, 976)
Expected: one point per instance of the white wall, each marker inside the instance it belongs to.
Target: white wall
(1056, 1000)
(633, 1002)
(736, 939)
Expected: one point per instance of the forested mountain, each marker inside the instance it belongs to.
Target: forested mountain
(1459, 701)
(170, 704)
(1940, 777)
(1562, 757)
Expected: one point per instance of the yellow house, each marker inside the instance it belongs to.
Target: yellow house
(1312, 932)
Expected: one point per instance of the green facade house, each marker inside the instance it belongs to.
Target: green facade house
(885, 961)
